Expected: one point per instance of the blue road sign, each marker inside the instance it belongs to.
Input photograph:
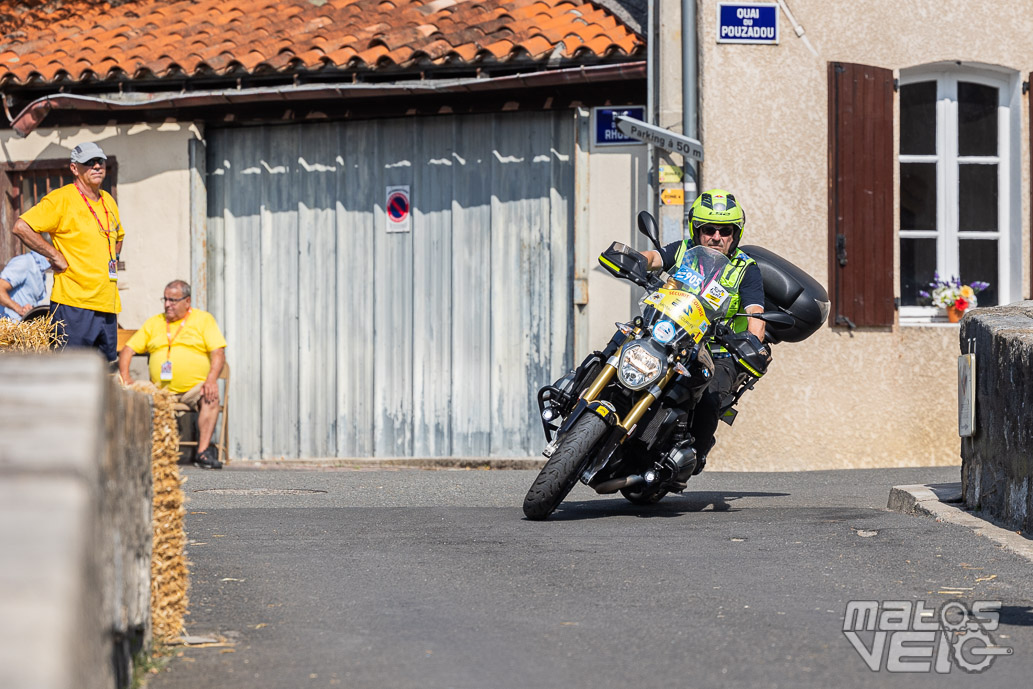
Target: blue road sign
(747, 22)
(606, 132)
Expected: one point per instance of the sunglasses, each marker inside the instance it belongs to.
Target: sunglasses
(93, 162)
(168, 300)
(723, 230)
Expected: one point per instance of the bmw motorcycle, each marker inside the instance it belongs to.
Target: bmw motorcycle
(620, 421)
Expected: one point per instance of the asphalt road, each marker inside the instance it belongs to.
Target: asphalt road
(428, 579)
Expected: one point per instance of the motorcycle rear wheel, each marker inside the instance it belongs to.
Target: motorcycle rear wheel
(560, 473)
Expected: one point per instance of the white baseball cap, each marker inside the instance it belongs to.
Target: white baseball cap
(87, 151)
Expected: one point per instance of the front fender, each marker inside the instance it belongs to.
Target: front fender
(601, 409)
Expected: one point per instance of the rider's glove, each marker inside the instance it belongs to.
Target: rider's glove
(750, 353)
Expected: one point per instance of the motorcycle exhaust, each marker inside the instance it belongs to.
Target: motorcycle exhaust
(615, 484)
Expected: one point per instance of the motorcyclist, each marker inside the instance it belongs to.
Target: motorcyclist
(717, 220)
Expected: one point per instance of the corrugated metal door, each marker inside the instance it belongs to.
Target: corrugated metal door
(346, 340)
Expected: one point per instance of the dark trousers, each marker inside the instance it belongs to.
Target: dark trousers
(86, 328)
(717, 396)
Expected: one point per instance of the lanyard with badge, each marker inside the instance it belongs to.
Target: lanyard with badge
(112, 263)
(166, 366)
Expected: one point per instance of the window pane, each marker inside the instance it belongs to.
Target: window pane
(979, 262)
(977, 120)
(917, 265)
(918, 196)
(918, 118)
(977, 198)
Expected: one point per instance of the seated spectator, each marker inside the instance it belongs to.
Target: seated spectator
(187, 352)
(23, 285)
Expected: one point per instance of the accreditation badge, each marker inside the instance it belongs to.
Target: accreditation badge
(166, 371)
(113, 271)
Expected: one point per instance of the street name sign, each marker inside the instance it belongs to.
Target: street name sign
(606, 132)
(747, 22)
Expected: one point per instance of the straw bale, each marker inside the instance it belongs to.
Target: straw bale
(23, 337)
(169, 573)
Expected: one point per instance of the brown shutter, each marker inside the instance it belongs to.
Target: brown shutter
(861, 191)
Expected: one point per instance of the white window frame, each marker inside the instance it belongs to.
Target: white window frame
(1009, 218)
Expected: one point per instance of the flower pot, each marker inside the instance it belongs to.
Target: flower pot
(954, 314)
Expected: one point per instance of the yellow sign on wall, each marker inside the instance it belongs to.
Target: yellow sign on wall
(673, 197)
(670, 174)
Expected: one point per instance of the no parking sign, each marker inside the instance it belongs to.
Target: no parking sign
(398, 209)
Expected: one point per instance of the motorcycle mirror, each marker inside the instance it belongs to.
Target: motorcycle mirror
(776, 317)
(647, 226)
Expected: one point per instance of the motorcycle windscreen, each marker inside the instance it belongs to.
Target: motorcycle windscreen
(683, 308)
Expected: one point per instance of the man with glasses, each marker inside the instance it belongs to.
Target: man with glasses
(187, 352)
(717, 222)
(83, 223)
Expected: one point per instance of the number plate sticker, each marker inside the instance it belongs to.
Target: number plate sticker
(715, 294)
(690, 277)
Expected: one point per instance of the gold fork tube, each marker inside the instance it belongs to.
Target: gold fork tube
(605, 375)
(643, 403)
(600, 382)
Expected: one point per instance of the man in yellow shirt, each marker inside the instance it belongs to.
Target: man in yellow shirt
(187, 352)
(83, 222)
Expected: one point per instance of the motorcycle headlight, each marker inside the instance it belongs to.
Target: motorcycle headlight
(639, 367)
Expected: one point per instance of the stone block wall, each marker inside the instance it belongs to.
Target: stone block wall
(75, 522)
(997, 461)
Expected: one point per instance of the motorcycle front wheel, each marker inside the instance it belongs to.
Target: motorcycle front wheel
(560, 473)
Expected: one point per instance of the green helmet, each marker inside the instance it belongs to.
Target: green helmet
(717, 207)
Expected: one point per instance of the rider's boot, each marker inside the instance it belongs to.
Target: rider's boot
(702, 449)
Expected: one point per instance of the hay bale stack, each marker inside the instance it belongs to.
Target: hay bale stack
(25, 337)
(169, 573)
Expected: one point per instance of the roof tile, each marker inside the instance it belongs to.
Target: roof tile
(162, 38)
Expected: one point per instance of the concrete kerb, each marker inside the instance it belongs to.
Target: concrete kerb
(428, 463)
(944, 503)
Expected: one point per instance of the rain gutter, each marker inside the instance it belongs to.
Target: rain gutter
(34, 113)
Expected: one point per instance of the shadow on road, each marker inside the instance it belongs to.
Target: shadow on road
(670, 506)
(1017, 615)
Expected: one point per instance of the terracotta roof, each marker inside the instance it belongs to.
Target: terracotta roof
(159, 38)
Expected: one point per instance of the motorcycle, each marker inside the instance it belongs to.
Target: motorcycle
(620, 421)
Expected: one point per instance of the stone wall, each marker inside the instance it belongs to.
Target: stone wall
(75, 522)
(997, 461)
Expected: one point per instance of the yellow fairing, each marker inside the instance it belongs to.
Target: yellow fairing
(683, 308)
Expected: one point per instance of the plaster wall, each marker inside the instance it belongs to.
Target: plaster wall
(618, 189)
(153, 199)
(878, 397)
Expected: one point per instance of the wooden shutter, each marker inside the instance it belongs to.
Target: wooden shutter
(861, 239)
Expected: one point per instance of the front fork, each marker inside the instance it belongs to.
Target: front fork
(590, 403)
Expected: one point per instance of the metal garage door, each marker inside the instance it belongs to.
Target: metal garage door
(346, 340)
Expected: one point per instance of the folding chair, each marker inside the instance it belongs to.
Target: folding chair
(220, 439)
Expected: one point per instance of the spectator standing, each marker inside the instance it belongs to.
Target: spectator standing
(83, 221)
(187, 352)
(23, 285)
